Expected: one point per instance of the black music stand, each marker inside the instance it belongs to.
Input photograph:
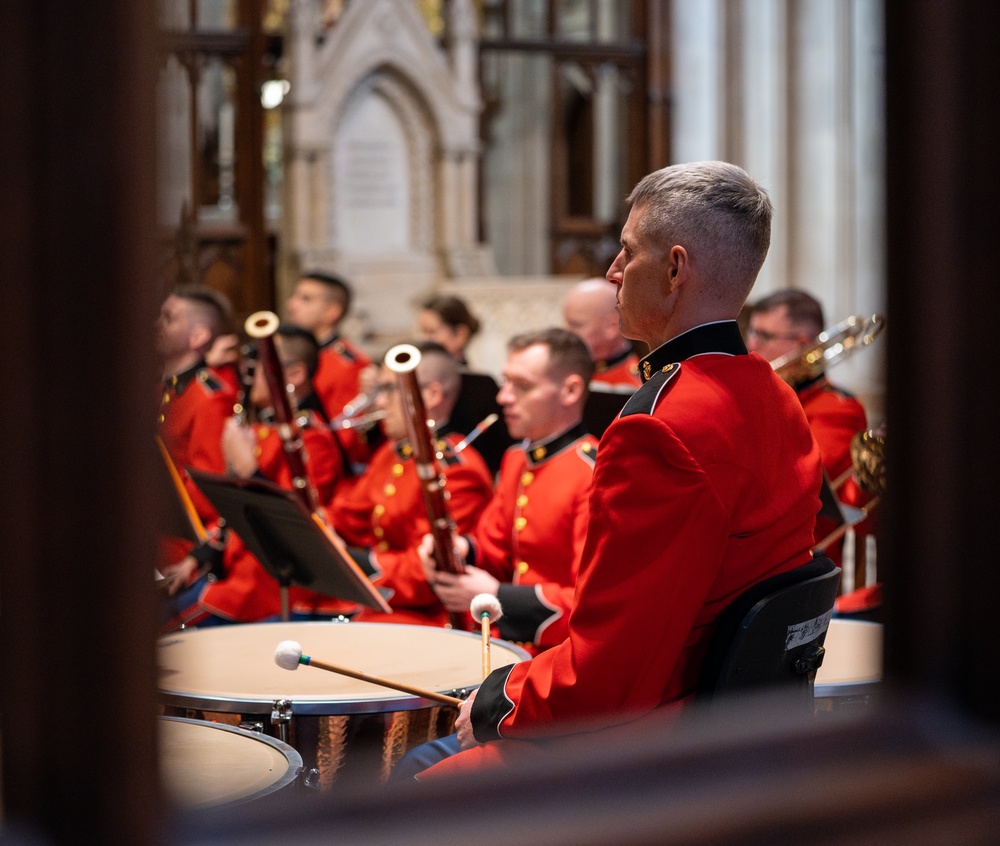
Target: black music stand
(477, 399)
(287, 540)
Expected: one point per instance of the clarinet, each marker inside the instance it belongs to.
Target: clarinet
(403, 360)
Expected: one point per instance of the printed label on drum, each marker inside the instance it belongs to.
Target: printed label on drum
(809, 630)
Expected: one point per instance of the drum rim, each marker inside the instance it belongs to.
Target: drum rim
(290, 754)
(390, 702)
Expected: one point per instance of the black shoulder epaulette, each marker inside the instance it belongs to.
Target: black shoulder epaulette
(209, 381)
(588, 452)
(646, 398)
(342, 349)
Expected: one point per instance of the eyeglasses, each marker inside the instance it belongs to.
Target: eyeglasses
(767, 337)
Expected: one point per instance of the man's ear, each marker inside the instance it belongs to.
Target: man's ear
(297, 374)
(433, 394)
(199, 337)
(572, 389)
(678, 267)
(333, 313)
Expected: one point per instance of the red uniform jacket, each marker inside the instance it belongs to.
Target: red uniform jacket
(248, 593)
(617, 371)
(384, 512)
(531, 535)
(707, 483)
(835, 417)
(336, 378)
(194, 407)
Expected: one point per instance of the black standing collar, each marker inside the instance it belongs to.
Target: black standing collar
(720, 337)
(539, 451)
(329, 342)
(607, 363)
(179, 381)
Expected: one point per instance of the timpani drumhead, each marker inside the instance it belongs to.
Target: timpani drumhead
(232, 668)
(852, 664)
(208, 765)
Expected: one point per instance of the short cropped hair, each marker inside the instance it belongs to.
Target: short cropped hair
(299, 345)
(438, 365)
(717, 212)
(804, 310)
(337, 288)
(567, 353)
(211, 307)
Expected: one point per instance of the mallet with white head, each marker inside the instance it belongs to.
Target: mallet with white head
(485, 607)
(288, 655)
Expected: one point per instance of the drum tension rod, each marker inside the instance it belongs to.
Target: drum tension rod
(281, 716)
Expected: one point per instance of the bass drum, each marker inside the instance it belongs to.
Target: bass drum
(344, 729)
(207, 765)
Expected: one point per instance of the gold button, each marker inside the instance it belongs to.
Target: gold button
(166, 398)
(522, 501)
(390, 490)
(538, 453)
(520, 523)
(522, 567)
(382, 546)
(378, 510)
(379, 532)
(163, 417)
(527, 478)
(407, 450)
(397, 470)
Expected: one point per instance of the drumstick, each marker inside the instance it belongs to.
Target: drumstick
(289, 655)
(486, 608)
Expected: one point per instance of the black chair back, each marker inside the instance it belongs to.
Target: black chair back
(772, 635)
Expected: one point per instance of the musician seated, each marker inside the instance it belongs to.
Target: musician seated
(221, 581)
(319, 303)
(589, 312)
(791, 320)
(446, 319)
(527, 546)
(382, 514)
(195, 399)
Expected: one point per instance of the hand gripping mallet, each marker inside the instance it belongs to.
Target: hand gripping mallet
(485, 607)
(288, 656)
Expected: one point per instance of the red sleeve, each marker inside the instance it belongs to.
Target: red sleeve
(648, 566)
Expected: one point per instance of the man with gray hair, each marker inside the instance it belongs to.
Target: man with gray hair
(706, 484)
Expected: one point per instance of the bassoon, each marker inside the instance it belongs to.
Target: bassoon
(403, 360)
(261, 326)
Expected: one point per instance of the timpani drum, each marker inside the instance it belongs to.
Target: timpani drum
(852, 665)
(342, 727)
(208, 765)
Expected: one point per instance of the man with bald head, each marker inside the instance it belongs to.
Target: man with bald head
(589, 313)
(706, 483)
